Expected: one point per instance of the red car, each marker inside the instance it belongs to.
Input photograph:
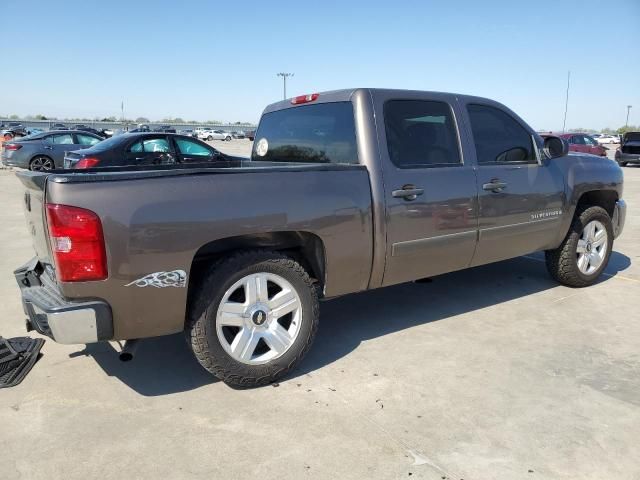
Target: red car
(581, 142)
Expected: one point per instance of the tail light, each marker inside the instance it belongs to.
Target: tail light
(305, 98)
(77, 243)
(12, 147)
(87, 162)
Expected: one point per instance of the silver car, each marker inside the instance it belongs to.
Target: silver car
(45, 151)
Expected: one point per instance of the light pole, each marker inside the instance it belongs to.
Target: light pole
(566, 102)
(626, 124)
(284, 76)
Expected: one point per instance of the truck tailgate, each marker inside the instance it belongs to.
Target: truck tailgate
(33, 206)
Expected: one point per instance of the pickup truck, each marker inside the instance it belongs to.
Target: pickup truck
(345, 191)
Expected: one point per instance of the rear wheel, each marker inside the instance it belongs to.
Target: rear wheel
(41, 163)
(209, 138)
(585, 251)
(228, 139)
(622, 164)
(254, 318)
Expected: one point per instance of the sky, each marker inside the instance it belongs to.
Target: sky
(211, 60)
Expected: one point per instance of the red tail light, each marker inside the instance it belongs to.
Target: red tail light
(77, 243)
(12, 147)
(305, 98)
(87, 162)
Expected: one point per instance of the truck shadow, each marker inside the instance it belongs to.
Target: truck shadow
(165, 365)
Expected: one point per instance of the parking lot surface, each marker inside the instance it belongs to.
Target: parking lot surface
(491, 373)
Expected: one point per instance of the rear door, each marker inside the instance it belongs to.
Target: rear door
(55, 145)
(430, 188)
(521, 196)
(150, 150)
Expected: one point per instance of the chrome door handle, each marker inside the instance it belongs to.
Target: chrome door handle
(408, 192)
(494, 186)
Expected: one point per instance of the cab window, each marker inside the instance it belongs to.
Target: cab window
(498, 137)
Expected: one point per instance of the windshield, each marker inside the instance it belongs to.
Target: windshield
(632, 137)
(321, 133)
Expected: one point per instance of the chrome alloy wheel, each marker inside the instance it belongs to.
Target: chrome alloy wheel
(39, 164)
(259, 318)
(592, 247)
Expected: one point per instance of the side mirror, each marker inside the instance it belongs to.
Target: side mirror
(555, 147)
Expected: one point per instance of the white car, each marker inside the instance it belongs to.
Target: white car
(209, 134)
(602, 139)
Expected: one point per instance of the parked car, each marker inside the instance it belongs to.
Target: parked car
(629, 151)
(147, 148)
(331, 203)
(606, 139)
(208, 134)
(15, 129)
(163, 128)
(583, 143)
(45, 151)
(237, 134)
(58, 126)
(107, 132)
(33, 131)
(187, 131)
(250, 134)
(99, 133)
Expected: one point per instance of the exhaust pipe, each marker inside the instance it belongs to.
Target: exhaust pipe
(129, 350)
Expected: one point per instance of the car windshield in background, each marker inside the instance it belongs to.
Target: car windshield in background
(632, 137)
(322, 133)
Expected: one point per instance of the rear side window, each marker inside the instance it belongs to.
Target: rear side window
(498, 137)
(322, 133)
(420, 134)
(151, 145)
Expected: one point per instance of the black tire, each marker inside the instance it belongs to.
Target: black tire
(228, 139)
(562, 262)
(622, 164)
(209, 138)
(201, 329)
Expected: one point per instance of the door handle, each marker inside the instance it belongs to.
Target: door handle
(47, 147)
(494, 186)
(408, 192)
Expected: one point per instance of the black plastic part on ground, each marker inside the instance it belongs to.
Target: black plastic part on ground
(17, 357)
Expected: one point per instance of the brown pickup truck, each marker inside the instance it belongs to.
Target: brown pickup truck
(345, 191)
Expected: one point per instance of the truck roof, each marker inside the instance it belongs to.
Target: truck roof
(346, 95)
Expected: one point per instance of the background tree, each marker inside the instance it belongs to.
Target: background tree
(142, 120)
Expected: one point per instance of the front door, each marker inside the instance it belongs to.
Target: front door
(430, 193)
(521, 197)
(55, 146)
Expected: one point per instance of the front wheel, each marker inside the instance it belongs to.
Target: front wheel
(228, 139)
(209, 138)
(622, 164)
(585, 251)
(254, 318)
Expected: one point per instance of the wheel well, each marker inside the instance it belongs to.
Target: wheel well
(304, 247)
(600, 198)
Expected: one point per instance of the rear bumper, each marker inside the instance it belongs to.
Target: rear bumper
(52, 315)
(619, 217)
(627, 157)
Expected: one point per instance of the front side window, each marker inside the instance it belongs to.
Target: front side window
(188, 147)
(498, 137)
(589, 141)
(86, 139)
(421, 134)
(320, 133)
(577, 140)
